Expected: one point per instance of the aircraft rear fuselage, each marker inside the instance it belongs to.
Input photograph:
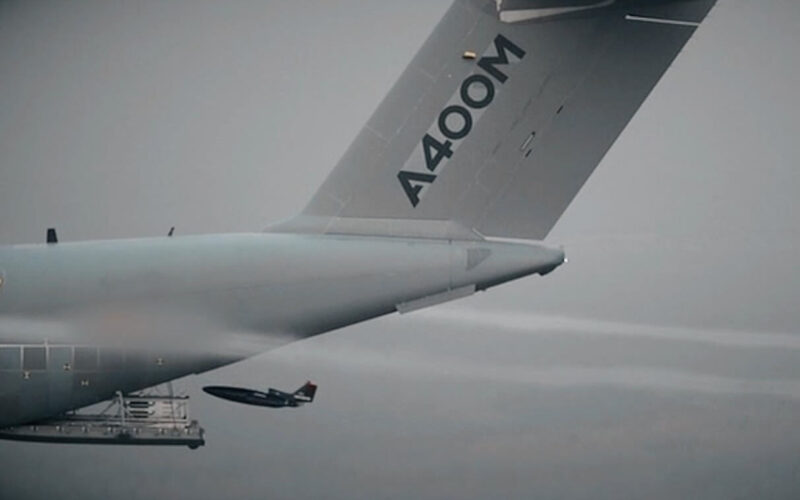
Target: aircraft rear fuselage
(281, 287)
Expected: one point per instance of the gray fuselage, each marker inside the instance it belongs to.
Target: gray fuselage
(133, 313)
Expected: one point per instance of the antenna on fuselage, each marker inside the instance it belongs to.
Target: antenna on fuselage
(171, 231)
(52, 237)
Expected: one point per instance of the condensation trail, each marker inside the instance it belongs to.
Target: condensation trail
(425, 366)
(538, 323)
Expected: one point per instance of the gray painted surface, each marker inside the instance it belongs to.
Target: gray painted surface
(661, 361)
(572, 81)
(185, 298)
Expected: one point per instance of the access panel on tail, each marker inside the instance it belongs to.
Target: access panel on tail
(500, 118)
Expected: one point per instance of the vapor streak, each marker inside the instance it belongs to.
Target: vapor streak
(537, 323)
(430, 367)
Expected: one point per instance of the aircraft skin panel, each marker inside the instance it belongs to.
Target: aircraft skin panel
(570, 143)
(563, 89)
(30, 394)
(599, 104)
(255, 280)
(162, 308)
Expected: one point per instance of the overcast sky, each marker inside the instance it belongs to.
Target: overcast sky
(663, 361)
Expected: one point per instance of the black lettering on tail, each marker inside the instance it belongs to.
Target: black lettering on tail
(501, 44)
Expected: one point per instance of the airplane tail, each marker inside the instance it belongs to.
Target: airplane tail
(500, 118)
(306, 393)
